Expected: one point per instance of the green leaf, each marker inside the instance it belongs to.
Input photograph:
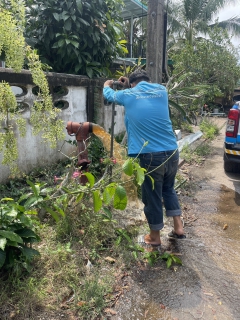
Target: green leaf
(135, 255)
(126, 236)
(120, 198)
(97, 201)
(6, 199)
(30, 212)
(79, 5)
(53, 214)
(118, 241)
(68, 24)
(180, 109)
(140, 174)
(56, 16)
(11, 236)
(32, 201)
(128, 167)
(61, 43)
(111, 188)
(177, 260)
(79, 197)
(29, 253)
(60, 210)
(165, 255)
(152, 180)
(74, 43)
(90, 178)
(26, 233)
(3, 242)
(84, 22)
(12, 213)
(2, 257)
(25, 220)
(108, 212)
(89, 72)
(108, 193)
(12, 244)
(35, 188)
(169, 262)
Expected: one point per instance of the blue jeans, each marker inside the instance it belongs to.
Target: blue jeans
(162, 167)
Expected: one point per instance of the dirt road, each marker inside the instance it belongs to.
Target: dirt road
(207, 286)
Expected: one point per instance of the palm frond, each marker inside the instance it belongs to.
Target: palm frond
(179, 108)
(232, 25)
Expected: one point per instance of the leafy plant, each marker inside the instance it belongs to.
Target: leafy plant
(152, 257)
(16, 234)
(79, 37)
(170, 258)
(107, 216)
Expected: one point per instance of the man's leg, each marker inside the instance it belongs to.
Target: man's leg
(153, 237)
(171, 202)
(178, 226)
(152, 197)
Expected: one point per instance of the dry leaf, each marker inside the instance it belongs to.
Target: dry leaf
(109, 259)
(225, 226)
(111, 311)
(81, 303)
(208, 294)
(162, 306)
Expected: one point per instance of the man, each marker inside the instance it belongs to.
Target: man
(147, 120)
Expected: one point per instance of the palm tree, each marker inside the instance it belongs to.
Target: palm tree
(189, 18)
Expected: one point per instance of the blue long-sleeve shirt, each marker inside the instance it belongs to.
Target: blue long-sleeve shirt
(146, 117)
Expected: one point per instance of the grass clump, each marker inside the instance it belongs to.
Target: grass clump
(197, 155)
(209, 129)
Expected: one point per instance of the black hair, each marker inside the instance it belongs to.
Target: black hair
(138, 75)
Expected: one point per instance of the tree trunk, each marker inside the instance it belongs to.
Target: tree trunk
(155, 37)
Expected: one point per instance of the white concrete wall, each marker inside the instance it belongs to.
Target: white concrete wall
(119, 125)
(34, 153)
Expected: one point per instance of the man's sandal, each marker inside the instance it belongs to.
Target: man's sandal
(174, 235)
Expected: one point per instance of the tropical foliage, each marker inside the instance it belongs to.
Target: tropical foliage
(205, 71)
(188, 19)
(79, 37)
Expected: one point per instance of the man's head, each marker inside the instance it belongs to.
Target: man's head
(137, 76)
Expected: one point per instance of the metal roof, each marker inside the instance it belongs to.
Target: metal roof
(133, 8)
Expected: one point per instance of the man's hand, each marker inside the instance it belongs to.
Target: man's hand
(108, 83)
(124, 81)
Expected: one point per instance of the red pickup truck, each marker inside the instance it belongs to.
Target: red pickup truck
(231, 156)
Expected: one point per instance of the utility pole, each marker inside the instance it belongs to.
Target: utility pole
(155, 40)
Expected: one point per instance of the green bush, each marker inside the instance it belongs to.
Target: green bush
(16, 235)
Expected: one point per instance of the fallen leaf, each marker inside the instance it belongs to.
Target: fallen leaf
(111, 311)
(225, 226)
(208, 294)
(81, 303)
(162, 306)
(109, 259)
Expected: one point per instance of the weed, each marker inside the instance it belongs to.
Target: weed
(170, 258)
(197, 155)
(185, 126)
(91, 298)
(187, 154)
(203, 150)
(209, 129)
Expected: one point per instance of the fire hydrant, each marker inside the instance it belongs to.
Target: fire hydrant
(81, 131)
